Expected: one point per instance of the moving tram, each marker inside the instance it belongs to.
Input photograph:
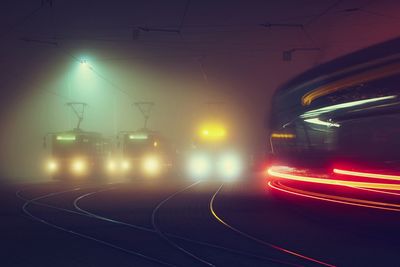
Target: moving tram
(345, 113)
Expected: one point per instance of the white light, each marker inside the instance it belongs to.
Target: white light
(230, 166)
(199, 166)
(319, 111)
(324, 123)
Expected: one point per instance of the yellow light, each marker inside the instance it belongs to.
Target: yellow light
(367, 174)
(111, 166)
(283, 135)
(125, 165)
(151, 165)
(213, 131)
(155, 144)
(78, 166)
(52, 166)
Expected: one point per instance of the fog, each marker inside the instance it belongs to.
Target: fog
(238, 65)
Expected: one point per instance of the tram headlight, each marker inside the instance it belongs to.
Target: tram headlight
(199, 166)
(125, 165)
(51, 166)
(111, 166)
(78, 166)
(151, 165)
(230, 166)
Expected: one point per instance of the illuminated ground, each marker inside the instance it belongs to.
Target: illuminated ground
(140, 224)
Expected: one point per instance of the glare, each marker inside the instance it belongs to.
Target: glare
(78, 166)
(151, 165)
(111, 166)
(52, 166)
(213, 131)
(230, 166)
(199, 166)
(125, 165)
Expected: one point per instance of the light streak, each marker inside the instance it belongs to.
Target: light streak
(323, 123)
(341, 84)
(337, 199)
(283, 135)
(329, 181)
(319, 111)
(367, 174)
(378, 191)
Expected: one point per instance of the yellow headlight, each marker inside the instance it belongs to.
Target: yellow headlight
(78, 166)
(151, 165)
(52, 166)
(125, 165)
(111, 166)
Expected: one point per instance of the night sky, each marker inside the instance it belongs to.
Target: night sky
(179, 54)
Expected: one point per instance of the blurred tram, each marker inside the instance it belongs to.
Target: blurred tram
(342, 113)
(77, 153)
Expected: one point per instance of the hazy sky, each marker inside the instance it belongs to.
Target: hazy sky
(179, 54)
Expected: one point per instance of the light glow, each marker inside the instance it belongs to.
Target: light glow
(335, 199)
(367, 174)
(283, 135)
(213, 131)
(319, 111)
(276, 172)
(324, 123)
(111, 166)
(78, 167)
(199, 166)
(66, 137)
(125, 165)
(230, 166)
(52, 166)
(151, 165)
(138, 136)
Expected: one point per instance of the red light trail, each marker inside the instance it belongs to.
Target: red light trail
(335, 199)
(285, 173)
(276, 172)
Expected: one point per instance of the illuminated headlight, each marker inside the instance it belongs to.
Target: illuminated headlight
(199, 166)
(52, 166)
(151, 165)
(111, 166)
(78, 166)
(230, 166)
(125, 165)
